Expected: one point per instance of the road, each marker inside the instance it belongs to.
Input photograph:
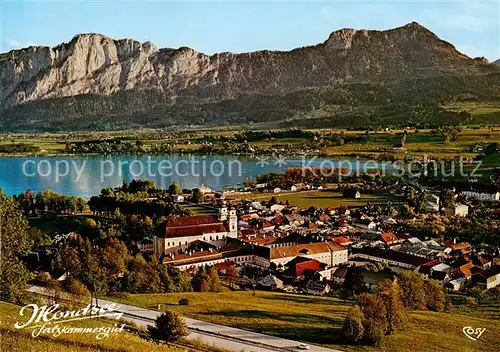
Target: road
(212, 334)
(222, 336)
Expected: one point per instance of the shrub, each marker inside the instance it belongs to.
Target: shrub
(169, 327)
(353, 325)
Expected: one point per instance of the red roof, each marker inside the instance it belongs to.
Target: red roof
(388, 237)
(343, 239)
(297, 266)
(197, 225)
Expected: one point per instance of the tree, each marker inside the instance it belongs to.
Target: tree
(197, 196)
(413, 290)
(114, 257)
(15, 245)
(272, 201)
(397, 316)
(200, 280)
(174, 189)
(232, 274)
(214, 280)
(436, 297)
(447, 198)
(79, 291)
(169, 327)
(373, 309)
(353, 329)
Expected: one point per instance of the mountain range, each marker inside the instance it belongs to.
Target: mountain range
(355, 78)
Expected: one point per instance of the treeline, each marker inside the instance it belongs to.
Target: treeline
(311, 175)
(108, 267)
(138, 197)
(111, 146)
(49, 201)
(376, 315)
(18, 148)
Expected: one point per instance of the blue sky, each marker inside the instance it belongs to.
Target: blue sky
(237, 26)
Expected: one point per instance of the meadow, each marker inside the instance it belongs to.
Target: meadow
(318, 320)
(12, 339)
(318, 198)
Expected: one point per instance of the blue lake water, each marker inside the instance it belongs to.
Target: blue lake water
(85, 176)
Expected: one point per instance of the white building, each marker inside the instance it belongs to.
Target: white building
(330, 253)
(482, 196)
(179, 232)
(457, 210)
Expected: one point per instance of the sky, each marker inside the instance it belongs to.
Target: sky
(241, 26)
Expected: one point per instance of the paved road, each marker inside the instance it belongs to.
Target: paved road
(226, 337)
(212, 334)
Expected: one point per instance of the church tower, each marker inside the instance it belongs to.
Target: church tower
(233, 223)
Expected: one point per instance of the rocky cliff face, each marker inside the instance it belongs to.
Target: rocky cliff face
(38, 79)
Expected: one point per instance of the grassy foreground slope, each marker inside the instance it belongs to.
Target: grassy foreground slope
(317, 320)
(12, 339)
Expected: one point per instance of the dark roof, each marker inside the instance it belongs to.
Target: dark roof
(393, 255)
(438, 275)
(403, 257)
(197, 225)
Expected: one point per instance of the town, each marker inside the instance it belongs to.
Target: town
(140, 239)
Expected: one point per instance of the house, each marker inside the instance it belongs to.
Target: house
(178, 198)
(176, 234)
(257, 205)
(463, 247)
(329, 253)
(343, 240)
(456, 284)
(145, 246)
(204, 189)
(277, 190)
(482, 196)
(299, 187)
(487, 278)
(277, 208)
(389, 239)
(390, 257)
(271, 282)
(294, 219)
(340, 274)
(301, 267)
(457, 210)
(351, 193)
(317, 288)
(432, 205)
(465, 270)
(366, 224)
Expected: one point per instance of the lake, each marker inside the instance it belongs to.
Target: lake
(85, 176)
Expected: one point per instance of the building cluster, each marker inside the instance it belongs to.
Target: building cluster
(314, 250)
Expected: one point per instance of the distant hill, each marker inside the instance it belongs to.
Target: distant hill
(354, 78)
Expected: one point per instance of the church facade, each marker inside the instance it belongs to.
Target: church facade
(176, 234)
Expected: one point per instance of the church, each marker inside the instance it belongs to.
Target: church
(176, 234)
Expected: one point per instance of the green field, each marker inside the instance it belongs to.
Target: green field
(381, 142)
(317, 320)
(21, 340)
(199, 209)
(318, 198)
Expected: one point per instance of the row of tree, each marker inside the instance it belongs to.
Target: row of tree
(376, 315)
